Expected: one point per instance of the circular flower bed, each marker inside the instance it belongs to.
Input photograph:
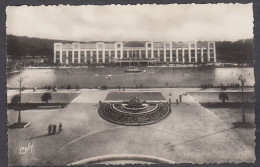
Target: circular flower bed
(118, 114)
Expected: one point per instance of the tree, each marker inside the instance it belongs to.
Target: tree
(223, 97)
(16, 99)
(54, 89)
(46, 97)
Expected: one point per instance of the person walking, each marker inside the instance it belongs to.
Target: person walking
(180, 98)
(49, 129)
(60, 127)
(54, 129)
(177, 102)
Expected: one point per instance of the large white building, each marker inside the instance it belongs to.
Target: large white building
(114, 52)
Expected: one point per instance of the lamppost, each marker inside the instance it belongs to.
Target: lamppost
(19, 123)
(243, 80)
(20, 80)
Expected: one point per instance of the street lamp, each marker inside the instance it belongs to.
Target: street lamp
(243, 80)
(19, 123)
(20, 80)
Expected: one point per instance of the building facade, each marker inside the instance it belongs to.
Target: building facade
(114, 52)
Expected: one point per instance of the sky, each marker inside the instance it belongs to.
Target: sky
(188, 22)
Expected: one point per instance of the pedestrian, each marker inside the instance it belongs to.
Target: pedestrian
(60, 127)
(49, 129)
(54, 129)
(180, 98)
(177, 102)
(170, 101)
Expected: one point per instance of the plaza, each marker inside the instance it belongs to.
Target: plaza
(189, 134)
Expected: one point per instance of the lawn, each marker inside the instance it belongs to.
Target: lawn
(214, 96)
(148, 96)
(57, 97)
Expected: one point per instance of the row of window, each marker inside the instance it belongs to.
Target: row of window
(135, 53)
(149, 45)
(160, 59)
(158, 54)
(89, 61)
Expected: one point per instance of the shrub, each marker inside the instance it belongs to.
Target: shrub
(46, 97)
(223, 97)
(16, 99)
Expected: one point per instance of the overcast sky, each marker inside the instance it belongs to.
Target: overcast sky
(189, 22)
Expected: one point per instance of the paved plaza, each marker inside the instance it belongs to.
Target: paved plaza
(189, 134)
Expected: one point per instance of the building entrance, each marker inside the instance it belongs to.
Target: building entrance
(134, 54)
